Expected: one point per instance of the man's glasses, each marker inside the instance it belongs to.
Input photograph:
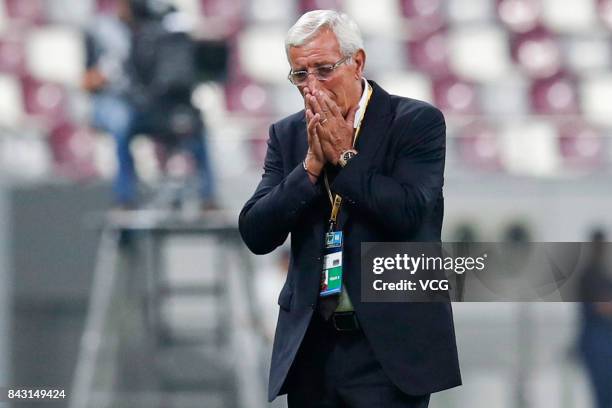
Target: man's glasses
(322, 73)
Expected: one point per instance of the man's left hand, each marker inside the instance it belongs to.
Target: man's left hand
(334, 130)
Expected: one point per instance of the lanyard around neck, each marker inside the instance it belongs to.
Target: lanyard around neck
(336, 200)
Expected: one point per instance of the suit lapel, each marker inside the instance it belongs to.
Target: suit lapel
(376, 120)
(373, 128)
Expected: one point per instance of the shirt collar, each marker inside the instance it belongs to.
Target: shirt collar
(362, 103)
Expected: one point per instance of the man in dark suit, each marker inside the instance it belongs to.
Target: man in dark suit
(365, 166)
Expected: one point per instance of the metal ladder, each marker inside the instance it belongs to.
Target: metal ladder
(132, 353)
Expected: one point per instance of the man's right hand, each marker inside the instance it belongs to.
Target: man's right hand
(315, 159)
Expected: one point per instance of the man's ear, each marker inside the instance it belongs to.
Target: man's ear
(360, 58)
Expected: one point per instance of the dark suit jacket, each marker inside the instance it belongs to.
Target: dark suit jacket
(392, 191)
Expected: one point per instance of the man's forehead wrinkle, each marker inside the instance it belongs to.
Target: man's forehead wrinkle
(316, 61)
(315, 57)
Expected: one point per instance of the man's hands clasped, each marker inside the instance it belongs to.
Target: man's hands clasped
(329, 132)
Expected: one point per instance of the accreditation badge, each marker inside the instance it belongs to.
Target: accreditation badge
(331, 275)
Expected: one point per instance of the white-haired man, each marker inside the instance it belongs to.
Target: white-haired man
(356, 165)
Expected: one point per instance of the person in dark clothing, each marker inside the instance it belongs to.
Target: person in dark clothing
(356, 165)
(140, 74)
(595, 340)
